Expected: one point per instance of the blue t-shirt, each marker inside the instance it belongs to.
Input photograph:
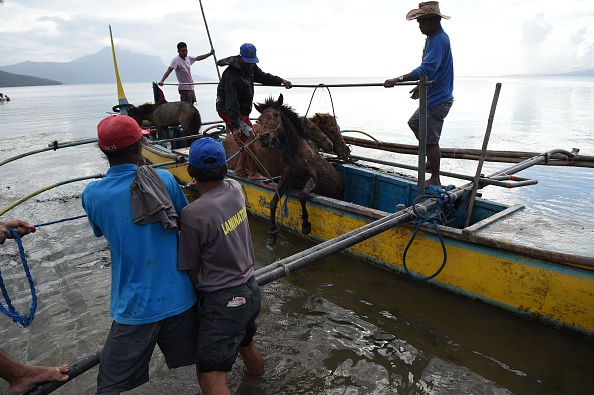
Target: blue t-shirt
(145, 283)
(438, 66)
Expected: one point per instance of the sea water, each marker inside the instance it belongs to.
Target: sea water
(339, 326)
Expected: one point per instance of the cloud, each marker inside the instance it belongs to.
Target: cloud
(585, 52)
(578, 36)
(535, 31)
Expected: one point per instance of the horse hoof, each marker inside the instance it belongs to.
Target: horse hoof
(271, 240)
(306, 228)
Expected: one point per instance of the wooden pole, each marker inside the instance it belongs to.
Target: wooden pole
(210, 40)
(479, 168)
(422, 134)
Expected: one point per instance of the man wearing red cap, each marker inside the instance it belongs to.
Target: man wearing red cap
(235, 95)
(136, 209)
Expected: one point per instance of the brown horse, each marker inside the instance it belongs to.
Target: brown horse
(306, 170)
(270, 161)
(166, 114)
(328, 125)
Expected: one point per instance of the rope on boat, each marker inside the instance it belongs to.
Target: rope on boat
(54, 145)
(437, 217)
(23, 319)
(329, 94)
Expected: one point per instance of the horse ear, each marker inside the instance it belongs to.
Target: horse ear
(259, 107)
(280, 99)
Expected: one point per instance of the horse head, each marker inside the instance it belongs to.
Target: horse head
(279, 123)
(316, 136)
(141, 112)
(328, 125)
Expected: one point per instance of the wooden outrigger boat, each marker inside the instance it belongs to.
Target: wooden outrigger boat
(506, 256)
(509, 256)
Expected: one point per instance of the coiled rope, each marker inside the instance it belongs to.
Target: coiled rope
(23, 319)
(9, 310)
(435, 217)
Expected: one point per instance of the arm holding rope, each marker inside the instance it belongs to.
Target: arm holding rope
(22, 227)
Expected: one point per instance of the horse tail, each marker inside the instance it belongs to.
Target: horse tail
(196, 123)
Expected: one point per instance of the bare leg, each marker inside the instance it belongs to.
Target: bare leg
(213, 383)
(434, 157)
(252, 359)
(253, 174)
(24, 377)
(241, 168)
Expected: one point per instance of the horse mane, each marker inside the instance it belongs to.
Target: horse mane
(290, 115)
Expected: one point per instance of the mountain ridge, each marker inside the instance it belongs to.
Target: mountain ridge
(94, 69)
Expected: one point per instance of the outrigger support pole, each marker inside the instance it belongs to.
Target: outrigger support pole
(289, 265)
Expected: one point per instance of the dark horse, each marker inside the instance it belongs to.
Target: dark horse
(328, 125)
(306, 171)
(271, 161)
(166, 114)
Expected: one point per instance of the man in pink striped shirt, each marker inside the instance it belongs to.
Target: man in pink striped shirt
(181, 64)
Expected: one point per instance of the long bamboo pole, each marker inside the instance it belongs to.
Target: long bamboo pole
(210, 40)
(479, 167)
(473, 154)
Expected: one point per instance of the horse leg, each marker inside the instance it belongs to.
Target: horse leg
(281, 189)
(305, 224)
(271, 238)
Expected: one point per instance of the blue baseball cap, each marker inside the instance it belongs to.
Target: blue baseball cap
(207, 153)
(248, 53)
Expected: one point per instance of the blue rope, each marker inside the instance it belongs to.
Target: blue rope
(24, 319)
(439, 216)
(61, 220)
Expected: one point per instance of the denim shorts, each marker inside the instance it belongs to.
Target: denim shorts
(435, 117)
(227, 322)
(124, 361)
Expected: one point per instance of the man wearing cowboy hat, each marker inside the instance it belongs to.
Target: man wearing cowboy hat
(438, 66)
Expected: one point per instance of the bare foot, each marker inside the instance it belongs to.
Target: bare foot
(430, 182)
(239, 171)
(256, 177)
(34, 375)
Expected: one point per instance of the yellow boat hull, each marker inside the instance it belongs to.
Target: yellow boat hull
(549, 290)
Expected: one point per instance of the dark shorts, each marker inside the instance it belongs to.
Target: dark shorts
(125, 358)
(189, 96)
(245, 126)
(435, 117)
(227, 322)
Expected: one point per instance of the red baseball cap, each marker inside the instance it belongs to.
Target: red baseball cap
(116, 132)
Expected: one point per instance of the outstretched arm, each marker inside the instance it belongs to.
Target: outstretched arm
(169, 70)
(206, 55)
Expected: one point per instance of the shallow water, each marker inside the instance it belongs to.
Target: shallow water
(339, 326)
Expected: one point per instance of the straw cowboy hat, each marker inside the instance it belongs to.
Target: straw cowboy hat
(427, 8)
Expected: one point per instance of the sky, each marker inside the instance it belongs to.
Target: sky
(308, 38)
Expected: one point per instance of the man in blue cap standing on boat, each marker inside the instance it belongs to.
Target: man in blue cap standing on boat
(438, 65)
(235, 95)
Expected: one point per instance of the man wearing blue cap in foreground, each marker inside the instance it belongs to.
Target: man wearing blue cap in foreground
(216, 249)
(235, 95)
